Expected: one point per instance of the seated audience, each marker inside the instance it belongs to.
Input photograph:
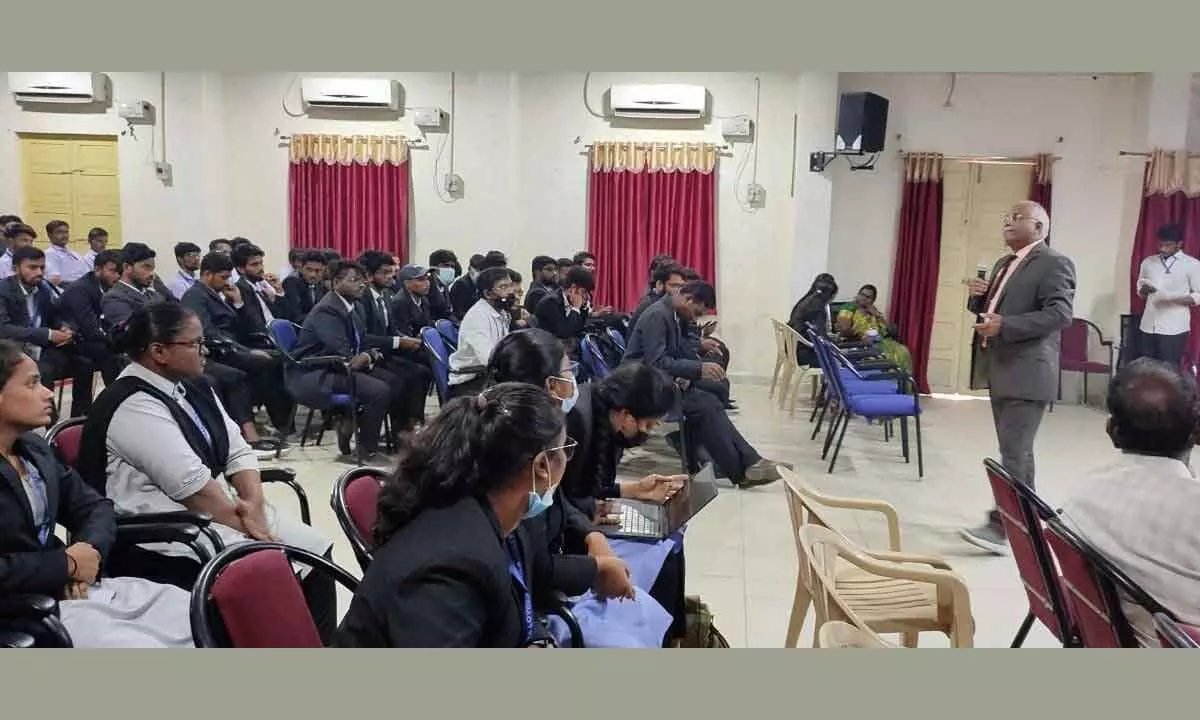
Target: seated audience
(306, 286)
(220, 307)
(334, 328)
(865, 322)
(412, 305)
(263, 293)
(521, 317)
(585, 260)
(79, 309)
(659, 341)
(453, 565)
(29, 314)
(42, 493)
(666, 277)
(1141, 509)
(187, 255)
(220, 245)
(294, 263)
(484, 325)
(135, 289)
(159, 440)
(18, 235)
(444, 270)
(564, 312)
(403, 354)
(97, 243)
(544, 281)
(464, 292)
(564, 264)
(813, 309)
(63, 265)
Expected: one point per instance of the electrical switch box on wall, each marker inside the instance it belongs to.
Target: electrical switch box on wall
(738, 127)
(139, 111)
(429, 118)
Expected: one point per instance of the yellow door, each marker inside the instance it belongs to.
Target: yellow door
(72, 178)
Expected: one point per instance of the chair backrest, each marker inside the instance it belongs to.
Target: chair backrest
(448, 331)
(617, 337)
(837, 634)
(787, 339)
(1075, 340)
(593, 359)
(1023, 526)
(439, 356)
(284, 333)
(1093, 587)
(820, 548)
(354, 502)
(1174, 634)
(67, 438)
(248, 596)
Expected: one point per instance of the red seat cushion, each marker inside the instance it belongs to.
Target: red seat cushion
(362, 496)
(68, 442)
(262, 605)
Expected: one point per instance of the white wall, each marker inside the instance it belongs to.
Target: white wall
(1095, 192)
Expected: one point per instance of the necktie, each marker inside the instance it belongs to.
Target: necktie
(39, 504)
(999, 283)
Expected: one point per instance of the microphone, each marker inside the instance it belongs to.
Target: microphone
(981, 271)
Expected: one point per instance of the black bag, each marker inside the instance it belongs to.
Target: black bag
(700, 632)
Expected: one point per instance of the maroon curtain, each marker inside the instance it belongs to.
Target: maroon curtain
(915, 272)
(1041, 184)
(349, 194)
(646, 200)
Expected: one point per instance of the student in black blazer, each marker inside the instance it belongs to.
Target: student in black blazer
(412, 305)
(564, 313)
(307, 286)
(263, 293)
(443, 271)
(79, 309)
(464, 293)
(659, 341)
(543, 282)
(453, 566)
(335, 328)
(29, 315)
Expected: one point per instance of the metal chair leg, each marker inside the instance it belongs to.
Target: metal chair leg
(904, 437)
(1022, 631)
(838, 447)
(920, 457)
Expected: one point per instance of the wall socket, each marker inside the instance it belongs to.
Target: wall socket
(756, 196)
(163, 171)
(454, 185)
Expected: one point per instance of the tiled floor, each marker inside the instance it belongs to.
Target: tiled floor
(740, 554)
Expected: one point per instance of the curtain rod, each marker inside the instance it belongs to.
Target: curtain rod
(991, 159)
(1130, 153)
(720, 148)
(411, 142)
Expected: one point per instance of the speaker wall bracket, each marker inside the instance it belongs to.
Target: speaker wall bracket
(819, 161)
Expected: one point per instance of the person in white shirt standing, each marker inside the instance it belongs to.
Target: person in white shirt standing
(63, 265)
(484, 325)
(1170, 284)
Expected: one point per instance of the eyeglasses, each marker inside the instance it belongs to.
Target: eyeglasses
(1014, 218)
(568, 448)
(193, 344)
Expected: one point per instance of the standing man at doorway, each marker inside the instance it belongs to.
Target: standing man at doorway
(1021, 311)
(1170, 284)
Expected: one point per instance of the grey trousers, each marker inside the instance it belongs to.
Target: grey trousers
(1017, 423)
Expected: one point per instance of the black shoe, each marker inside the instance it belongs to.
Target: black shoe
(268, 449)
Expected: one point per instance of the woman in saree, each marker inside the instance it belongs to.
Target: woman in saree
(866, 322)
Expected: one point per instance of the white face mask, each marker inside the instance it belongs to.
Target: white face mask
(538, 503)
(569, 403)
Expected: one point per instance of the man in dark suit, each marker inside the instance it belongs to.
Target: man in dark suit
(263, 293)
(443, 271)
(543, 283)
(412, 306)
(658, 340)
(135, 289)
(564, 312)
(1021, 311)
(464, 293)
(334, 328)
(29, 315)
(307, 286)
(79, 309)
(220, 307)
(402, 353)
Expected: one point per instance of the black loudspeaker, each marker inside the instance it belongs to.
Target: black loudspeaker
(861, 123)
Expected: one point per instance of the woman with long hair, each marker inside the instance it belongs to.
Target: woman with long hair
(39, 492)
(813, 309)
(453, 566)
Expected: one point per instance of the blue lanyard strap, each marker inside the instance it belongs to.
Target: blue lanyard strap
(517, 570)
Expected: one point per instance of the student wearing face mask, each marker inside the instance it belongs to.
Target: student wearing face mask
(443, 271)
(483, 326)
(465, 290)
(454, 566)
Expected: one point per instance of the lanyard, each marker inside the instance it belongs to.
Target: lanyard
(195, 416)
(517, 570)
(1167, 266)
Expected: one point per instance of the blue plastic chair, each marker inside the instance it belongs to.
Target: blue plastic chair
(285, 334)
(439, 354)
(593, 359)
(617, 337)
(449, 332)
(854, 400)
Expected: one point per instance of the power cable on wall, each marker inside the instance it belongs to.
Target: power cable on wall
(447, 139)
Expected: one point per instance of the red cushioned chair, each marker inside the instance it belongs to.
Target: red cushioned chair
(1022, 513)
(1093, 587)
(354, 500)
(249, 597)
(1074, 357)
(1175, 634)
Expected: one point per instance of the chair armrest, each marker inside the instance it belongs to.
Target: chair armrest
(28, 606)
(327, 362)
(13, 639)
(561, 610)
(173, 516)
(287, 476)
(471, 370)
(903, 557)
(884, 508)
(158, 532)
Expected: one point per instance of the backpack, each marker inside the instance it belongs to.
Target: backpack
(700, 632)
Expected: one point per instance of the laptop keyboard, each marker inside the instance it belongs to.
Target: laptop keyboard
(635, 523)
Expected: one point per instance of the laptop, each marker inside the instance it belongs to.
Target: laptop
(642, 520)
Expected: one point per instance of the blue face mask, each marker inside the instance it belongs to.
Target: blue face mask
(446, 275)
(539, 504)
(569, 403)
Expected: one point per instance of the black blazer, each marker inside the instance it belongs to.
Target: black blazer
(379, 329)
(552, 316)
(651, 297)
(122, 300)
(463, 294)
(537, 291)
(27, 565)
(220, 319)
(443, 581)
(79, 308)
(408, 317)
(253, 322)
(659, 340)
(304, 297)
(439, 301)
(14, 316)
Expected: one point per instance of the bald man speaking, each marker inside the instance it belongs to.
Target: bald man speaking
(1020, 310)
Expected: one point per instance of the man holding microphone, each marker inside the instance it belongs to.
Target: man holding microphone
(1020, 311)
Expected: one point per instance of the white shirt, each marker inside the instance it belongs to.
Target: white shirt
(481, 329)
(1013, 266)
(181, 283)
(1142, 512)
(152, 468)
(1173, 278)
(89, 259)
(6, 268)
(64, 263)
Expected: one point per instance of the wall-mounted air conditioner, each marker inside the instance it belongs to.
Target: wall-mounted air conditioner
(661, 102)
(370, 93)
(58, 87)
